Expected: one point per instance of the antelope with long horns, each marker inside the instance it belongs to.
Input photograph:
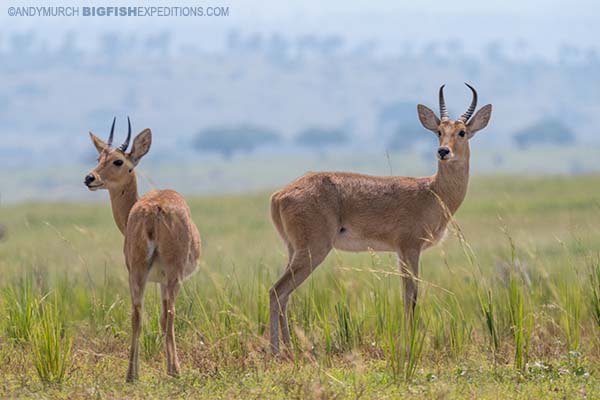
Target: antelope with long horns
(321, 211)
(162, 244)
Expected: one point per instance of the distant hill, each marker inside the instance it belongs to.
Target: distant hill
(52, 96)
(545, 132)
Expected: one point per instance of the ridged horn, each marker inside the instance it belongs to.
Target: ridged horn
(125, 144)
(443, 109)
(112, 133)
(465, 117)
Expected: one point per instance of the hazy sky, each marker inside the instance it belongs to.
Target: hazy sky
(541, 26)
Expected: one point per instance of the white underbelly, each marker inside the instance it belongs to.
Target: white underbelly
(435, 239)
(189, 269)
(160, 272)
(350, 241)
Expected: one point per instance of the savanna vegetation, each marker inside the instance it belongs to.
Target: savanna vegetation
(509, 305)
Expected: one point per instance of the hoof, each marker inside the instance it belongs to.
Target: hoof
(287, 355)
(174, 372)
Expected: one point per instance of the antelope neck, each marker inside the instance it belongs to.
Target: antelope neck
(450, 182)
(122, 200)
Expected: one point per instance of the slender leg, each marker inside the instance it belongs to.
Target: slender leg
(164, 308)
(173, 368)
(283, 324)
(276, 312)
(137, 285)
(283, 303)
(303, 263)
(409, 267)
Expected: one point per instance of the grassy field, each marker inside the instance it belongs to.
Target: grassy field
(509, 306)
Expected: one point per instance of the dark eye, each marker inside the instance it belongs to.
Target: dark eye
(461, 133)
(439, 133)
(118, 163)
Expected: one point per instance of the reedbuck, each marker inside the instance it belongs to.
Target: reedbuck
(162, 244)
(321, 211)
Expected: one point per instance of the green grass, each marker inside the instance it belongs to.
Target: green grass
(50, 343)
(509, 305)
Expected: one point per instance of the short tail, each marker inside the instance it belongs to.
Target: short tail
(276, 216)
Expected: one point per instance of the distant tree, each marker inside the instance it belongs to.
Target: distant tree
(277, 48)
(495, 52)
(406, 135)
(22, 43)
(114, 45)
(254, 43)
(399, 124)
(159, 43)
(306, 44)
(234, 39)
(331, 44)
(547, 131)
(229, 140)
(569, 54)
(68, 50)
(319, 45)
(321, 137)
(365, 49)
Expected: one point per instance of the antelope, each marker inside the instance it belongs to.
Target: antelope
(353, 212)
(162, 244)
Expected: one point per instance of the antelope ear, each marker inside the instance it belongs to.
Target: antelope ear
(428, 118)
(99, 144)
(141, 145)
(479, 120)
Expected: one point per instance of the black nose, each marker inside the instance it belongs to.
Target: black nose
(443, 152)
(89, 179)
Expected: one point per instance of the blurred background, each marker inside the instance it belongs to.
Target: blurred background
(253, 99)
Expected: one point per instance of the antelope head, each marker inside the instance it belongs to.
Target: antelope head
(454, 135)
(115, 166)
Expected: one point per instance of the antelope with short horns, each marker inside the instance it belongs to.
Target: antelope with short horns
(322, 211)
(162, 244)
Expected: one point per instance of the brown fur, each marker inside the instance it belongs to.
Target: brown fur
(321, 211)
(162, 244)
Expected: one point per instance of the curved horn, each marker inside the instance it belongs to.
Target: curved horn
(112, 133)
(443, 109)
(465, 117)
(125, 144)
